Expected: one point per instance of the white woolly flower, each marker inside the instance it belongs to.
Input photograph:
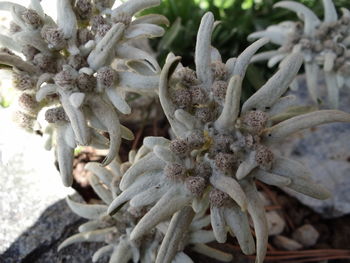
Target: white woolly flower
(115, 230)
(220, 148)
(323, 44)
(71, 66)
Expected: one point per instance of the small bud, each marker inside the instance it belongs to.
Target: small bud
(54, 37)
(205, 114)
(83, 8)
(196, 185)
(175, 171)
(181, 97)
(56, 114)
(179, 146)
(264, 156)
(219, 89)
(195, 140)
(225, 162)
(44, 63)
(122, 17)
(96, 21)
(198, 95)
(306, 43)
(106, 76)
(222, 142)
(321, 33)
(22, 81)
(32, 18)
(255, 121)
(77, 62)
(66, 77)
(219, 70)
(86, 83)
(27, 102)
(203, 170)
(23, 120)
(102, 30)
(186, 75)
(218, 198)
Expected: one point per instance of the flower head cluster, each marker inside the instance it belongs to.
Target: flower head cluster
(219, 148)
(324, 45)
(115, 230)
(68, 65)
(81, 65)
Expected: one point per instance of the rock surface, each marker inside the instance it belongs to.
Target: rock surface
(325, 150)
(29, 181)
(275, 223)
(307, 235)
(39, 243)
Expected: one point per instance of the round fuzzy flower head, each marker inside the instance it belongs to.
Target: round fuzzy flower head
(324, 45)
(220, 148)
(68, 63)
(115, 230)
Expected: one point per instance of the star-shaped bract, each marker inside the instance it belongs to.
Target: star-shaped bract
(220, 148)
(323, 44)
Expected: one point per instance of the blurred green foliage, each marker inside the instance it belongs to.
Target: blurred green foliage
(238, 19)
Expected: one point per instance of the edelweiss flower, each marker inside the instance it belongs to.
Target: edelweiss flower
(220, 148)
(68, 64)
(115, 230)
(324, 45)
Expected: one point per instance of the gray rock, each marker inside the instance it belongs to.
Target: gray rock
(34, 218)
(39, 243)
(307, 235)
(286, 243)
(29, 181)
(275, 223)
(325, 150)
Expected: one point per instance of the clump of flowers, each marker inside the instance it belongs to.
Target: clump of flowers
(219, 148)
(323, 44)
(78, 70)
(67, 65)
(115, 230)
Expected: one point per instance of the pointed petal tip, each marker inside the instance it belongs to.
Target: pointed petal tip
(282, 4)
(208, 15)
